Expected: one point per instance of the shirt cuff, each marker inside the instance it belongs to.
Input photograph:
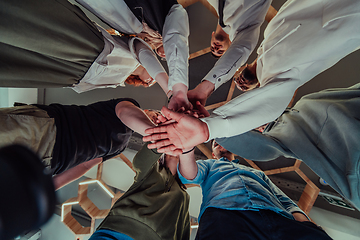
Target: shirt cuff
(186, 181)
(213, 123)
(294, 209)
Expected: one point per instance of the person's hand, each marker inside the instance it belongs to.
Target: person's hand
(180, 132)
(179, 101)
(198, 111)
(201, 92)
(179, 98)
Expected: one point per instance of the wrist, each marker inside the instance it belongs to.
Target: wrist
(188, 151)
(206, 87)
(179, 87)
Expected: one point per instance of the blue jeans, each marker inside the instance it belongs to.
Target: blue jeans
(224, 224)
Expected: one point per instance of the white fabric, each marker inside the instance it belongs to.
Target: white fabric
(243, 19)
(119, 58)
(175, 32)
(305, 38)
(175, 40)
(111, 68)
(146, 57)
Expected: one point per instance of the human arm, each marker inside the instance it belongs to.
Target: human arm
(133, 117)
(114, 13)
(74, 173)
(185, 132)
(251, 109)
(201, 92)
(235, 56)
(255, 146)
(175, 40)
(179, 98)
(143, 160)
(243, 27)
(242, 114)
(298, 216)
(147, 58)
(187, 165)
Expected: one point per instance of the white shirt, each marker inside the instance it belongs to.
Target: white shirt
(305, 38)
(243, 19)
(117, 61)
(175, 32)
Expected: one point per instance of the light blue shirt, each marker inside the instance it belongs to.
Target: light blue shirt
(232, 186)
(106, 234)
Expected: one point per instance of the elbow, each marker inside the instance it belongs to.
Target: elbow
(122, 108)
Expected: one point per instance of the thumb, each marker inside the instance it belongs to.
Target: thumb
(169, 114)
(202, 109)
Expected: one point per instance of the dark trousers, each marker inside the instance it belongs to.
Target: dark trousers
(250, 225)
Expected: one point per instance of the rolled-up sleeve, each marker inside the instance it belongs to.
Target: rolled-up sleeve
(203, 170)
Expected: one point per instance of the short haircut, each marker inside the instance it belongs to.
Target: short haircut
(248, 75)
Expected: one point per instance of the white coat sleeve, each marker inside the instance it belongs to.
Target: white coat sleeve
(142, 52)
(235, 56)
(252, 109)
(175, 41)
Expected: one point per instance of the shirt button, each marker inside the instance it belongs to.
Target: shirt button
(214, 76)
(219, 79)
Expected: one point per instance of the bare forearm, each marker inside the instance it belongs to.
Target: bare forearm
(74, 173)
(201, 92)
(162, 79)
(187, 165)
(133, 117)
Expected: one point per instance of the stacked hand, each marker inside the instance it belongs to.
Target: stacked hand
(178, 131)
(179, 98)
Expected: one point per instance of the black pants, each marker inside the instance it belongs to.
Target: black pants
(250, 225)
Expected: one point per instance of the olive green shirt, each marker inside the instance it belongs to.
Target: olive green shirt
(154, 207)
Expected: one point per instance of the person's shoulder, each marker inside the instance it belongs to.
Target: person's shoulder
(117, 100)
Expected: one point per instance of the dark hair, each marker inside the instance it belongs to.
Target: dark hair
(250, 76)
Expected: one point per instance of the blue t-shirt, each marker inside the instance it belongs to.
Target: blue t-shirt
(105, 234)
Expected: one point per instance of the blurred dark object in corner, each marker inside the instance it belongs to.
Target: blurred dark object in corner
(27, 198)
